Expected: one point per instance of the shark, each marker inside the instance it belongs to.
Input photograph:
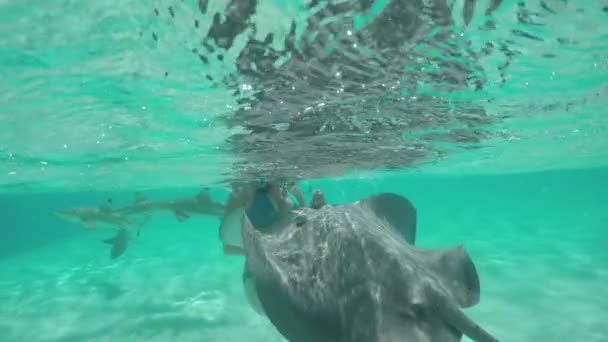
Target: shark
(107, 217)
(94, 216)
(182, 208)
(351, 273)
(137, 214)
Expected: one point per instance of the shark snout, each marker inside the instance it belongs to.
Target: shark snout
(68, 214)
(64, 212)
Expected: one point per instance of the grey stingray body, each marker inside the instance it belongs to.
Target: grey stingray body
(350, 273)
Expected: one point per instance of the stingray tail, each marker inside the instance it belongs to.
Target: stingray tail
(457, 271)
(457, 319)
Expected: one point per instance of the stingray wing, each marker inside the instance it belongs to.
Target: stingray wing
(280, 303)
(397, 210)
(293, 323)
(437, 312)
(230, 228)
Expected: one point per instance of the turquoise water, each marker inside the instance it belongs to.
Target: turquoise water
(538, 241)
(490, 116)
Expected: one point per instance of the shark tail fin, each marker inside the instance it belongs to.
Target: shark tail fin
(458, 273)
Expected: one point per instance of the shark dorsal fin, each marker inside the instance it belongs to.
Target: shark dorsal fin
(107, 205)
(204, 195)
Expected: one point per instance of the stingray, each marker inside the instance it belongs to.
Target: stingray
(350, 273)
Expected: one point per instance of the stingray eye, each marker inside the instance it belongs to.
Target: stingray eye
(300, 221)
(418, 310)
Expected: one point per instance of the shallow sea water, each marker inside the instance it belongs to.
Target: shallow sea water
(537, 241)
(490, 116)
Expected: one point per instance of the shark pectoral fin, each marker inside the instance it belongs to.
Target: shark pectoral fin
(119, 243)
(458, 273)
(89, 223)
(109, 241)
(180, 215)
(397, 210)
(459, 321)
